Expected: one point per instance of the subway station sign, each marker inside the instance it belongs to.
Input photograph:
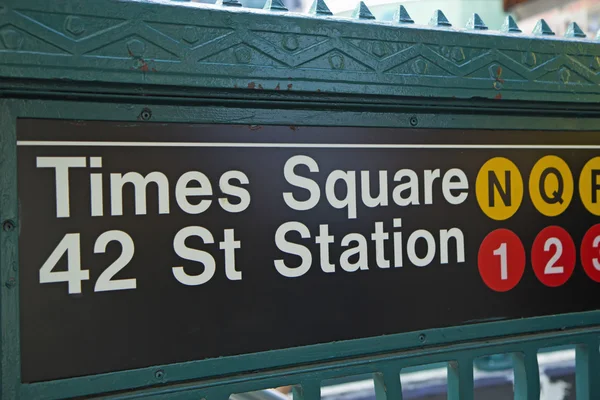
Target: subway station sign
(149, 244)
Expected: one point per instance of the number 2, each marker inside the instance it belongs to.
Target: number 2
(552, 269)
(501, 252)
(105, 282)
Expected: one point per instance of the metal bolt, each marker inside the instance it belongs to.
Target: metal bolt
(336, 61)
(420, 66)
(8, 226)
(190, 34)
(422, 338)
(243, 55)
(445, 51)
(290, 42)
(458, 54)
(529, 58)
(12, 39)
(159, 374)
(136, 48)
(11, 283)
(379, 49)
(74, 25)
(564, 75)
(414, 121)
(146, 114)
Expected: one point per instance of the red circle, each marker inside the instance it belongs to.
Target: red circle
(589, 252)
(501, 260)
(553, 256)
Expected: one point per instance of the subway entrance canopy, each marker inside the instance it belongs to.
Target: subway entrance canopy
(203, 200)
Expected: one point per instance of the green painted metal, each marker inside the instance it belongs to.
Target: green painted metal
(170, 43)
(192, 63)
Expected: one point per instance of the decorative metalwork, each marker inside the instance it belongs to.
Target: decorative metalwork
(211, 46)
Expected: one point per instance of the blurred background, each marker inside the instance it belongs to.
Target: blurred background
(558, 13)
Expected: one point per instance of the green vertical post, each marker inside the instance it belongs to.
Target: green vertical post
(307, 390)
(460, 379)
(527, 375)
(587, 372)
(388, 385)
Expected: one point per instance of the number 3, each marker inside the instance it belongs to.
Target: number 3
(595, 262)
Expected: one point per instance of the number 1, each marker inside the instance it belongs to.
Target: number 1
(501, 252)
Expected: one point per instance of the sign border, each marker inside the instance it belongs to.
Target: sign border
(244, 114)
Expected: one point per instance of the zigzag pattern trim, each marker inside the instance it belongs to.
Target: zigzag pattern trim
(204, 42)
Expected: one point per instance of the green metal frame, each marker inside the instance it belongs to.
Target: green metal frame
(187, 63)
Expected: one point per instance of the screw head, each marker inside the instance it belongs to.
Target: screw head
(146, 114)
(414, 121)
(422, 338)
(8, 226)
(160, 374)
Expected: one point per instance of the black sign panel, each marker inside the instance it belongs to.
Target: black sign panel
(149, 244)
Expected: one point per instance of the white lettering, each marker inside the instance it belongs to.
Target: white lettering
(183, 191)
(301, 182)
(324, 240)
(445, 235)
(293, 248)
(449, 184)
(229, 245)
(190, 254)
(61, 167)
(412, 185)
(379, 237)
(236, 191)
(117, 181)
(411, 248)
(349, 180)
(360, 249)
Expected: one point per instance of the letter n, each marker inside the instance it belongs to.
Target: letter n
(505, 193)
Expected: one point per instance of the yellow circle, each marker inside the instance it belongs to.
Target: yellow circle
(506, 197)
(589, 186)
(551, 186)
